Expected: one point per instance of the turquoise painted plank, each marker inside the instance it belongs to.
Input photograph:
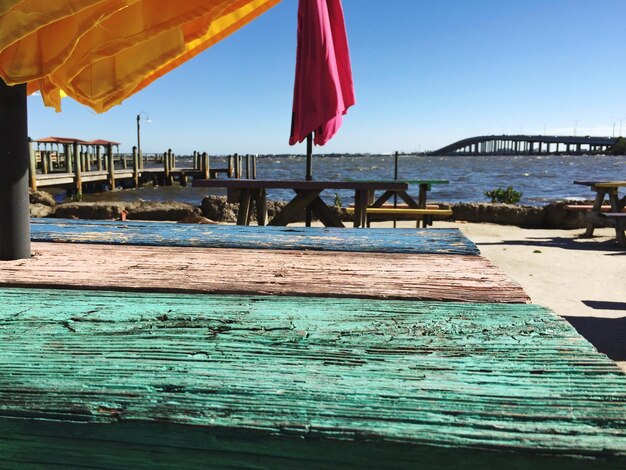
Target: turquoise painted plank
(423, 241)
(283, 373)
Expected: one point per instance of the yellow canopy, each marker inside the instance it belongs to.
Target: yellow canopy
(100, 52)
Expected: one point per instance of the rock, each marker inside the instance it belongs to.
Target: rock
(558, 217)
(89, 210)
(41, 210)
(143, 210)
(217, 208)
(42, 197)
(504, 214)
(196, 219)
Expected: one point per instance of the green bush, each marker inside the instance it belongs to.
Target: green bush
(506, 196)
(619, 148)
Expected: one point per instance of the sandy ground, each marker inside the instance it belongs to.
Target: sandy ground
(582, 280)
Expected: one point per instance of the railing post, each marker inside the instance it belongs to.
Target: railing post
(135, 167)
(111, 166)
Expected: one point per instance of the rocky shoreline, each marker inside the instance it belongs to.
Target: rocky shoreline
(215, 209)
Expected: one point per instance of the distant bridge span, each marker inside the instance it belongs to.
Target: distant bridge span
(527, 145)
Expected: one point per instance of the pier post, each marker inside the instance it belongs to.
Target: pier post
(32, 165)
(195, 160)
(44, 162)
(78, 177)
(49, 158)
(254, 167)
(98, 158)
(205, 166)
(231, 166)
(166, 167)
(111, 167)
(135, 167)
(247, 166)
(14, 201)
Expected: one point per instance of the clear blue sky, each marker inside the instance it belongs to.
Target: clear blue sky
(426, 73)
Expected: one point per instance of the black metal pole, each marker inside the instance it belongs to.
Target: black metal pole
(14, 201)
(309, 172)
(309, 157)
(395, 177)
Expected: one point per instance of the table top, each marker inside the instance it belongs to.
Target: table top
(602, 184)
(299, 184)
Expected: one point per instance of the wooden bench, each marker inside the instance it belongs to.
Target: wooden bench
(388, 212)
(115, 380)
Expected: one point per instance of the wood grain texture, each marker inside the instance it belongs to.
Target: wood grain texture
(333, 274)
(447, 241)
(109, 367)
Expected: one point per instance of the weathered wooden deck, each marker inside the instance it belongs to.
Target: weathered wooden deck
(225, 270)
(431, 241)
(124, 380)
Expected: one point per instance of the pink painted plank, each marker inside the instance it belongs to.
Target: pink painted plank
(304, 273)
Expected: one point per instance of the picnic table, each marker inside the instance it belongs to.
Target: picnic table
(307, 194)
(615, 217)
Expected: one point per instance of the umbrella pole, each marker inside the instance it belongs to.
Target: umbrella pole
(395, 177)
(309, 172)
(14, 162)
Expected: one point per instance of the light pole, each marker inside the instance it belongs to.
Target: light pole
(139, 154)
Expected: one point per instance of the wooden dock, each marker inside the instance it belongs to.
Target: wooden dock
(76, 164)
(126, 380)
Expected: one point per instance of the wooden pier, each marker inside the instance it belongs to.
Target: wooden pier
(73, 164)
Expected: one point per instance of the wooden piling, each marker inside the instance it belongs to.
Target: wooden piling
(205, 166)
(78, 173)
(50, 162)
(32, 168)
(44, 162)
(247, 166)
(231, 166)
(111, 166)
(135, 167)
(254, 167)
(98, 158)
(166, 167)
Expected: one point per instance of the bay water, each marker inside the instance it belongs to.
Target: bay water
(540, 179)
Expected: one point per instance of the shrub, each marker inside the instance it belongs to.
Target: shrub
(506, 196)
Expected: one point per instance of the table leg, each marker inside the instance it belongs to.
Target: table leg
(295, 208)
(360, 207)
(593, 215)
(325, 215)
(261, 206)
(245, 199)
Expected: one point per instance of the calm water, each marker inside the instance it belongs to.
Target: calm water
(539, 178)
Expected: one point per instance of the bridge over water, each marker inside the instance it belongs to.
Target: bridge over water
(528, 145)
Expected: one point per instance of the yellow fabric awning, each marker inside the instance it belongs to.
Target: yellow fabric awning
(100, 52)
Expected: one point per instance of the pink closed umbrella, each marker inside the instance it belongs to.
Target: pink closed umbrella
(323, 89)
